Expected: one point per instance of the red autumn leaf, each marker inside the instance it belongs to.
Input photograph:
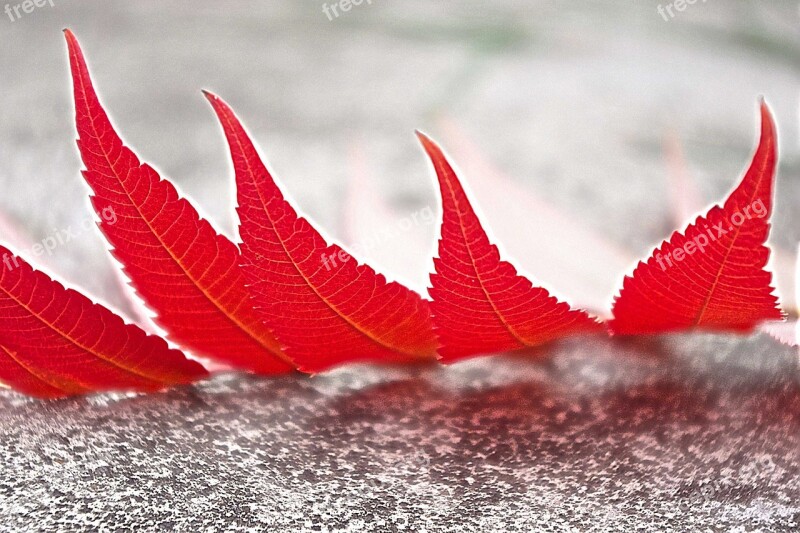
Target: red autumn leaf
(711, 276)
(686, 200)
(480, 304)
(16, 376)
(182, 269)
(568, 256)
(323, 306)
(56, 342)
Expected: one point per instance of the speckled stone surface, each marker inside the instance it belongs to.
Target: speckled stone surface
(598, 436)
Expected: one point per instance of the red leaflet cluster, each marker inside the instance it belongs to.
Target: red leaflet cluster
(183, 270)
(56, 342)
(710, 276)
(475, 291)
(286, 299)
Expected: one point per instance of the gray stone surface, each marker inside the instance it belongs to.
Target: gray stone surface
(571, 99)
(694, 433)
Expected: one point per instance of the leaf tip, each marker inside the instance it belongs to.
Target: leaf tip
(426, 141)
(767, 118)
(72, 41)
(223, 111)
(433, 150)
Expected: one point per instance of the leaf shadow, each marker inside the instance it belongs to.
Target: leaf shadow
(583, 413)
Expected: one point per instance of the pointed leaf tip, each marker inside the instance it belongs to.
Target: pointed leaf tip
(712, 275)
(325, 307)
(190, 276)
(479, 303)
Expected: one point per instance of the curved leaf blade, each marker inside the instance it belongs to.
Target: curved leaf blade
(56, 342)
(181, 268)
(712, 275)
(480, 304)
(15, 374)
(323, 306)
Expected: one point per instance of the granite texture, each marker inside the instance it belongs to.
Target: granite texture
(572, 100)
(696, 433)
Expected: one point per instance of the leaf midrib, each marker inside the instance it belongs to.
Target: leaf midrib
(239, 325)
(14, 357)
(729, 250)
(444, 171)
(308, 282)
(68, 338)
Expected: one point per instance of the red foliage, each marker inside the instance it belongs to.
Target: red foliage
(480, 304)
(182, 269)
(56, 342)
(323, 306)
(710, 276)
(289, 299)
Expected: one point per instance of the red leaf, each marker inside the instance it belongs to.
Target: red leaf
(59, 343)
(567, 255)
(712, 275)
(323, 306)
(686, 201)
(187, 273)
(16, 375)
(480, 304)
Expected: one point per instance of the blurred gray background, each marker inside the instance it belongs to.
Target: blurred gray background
(573, 101)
